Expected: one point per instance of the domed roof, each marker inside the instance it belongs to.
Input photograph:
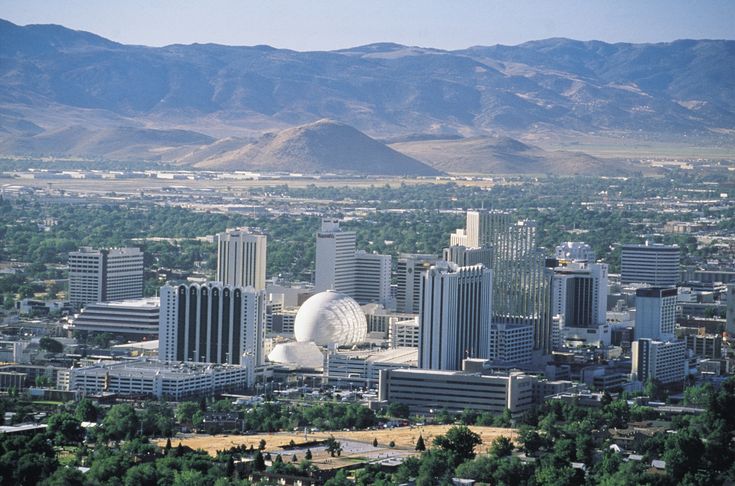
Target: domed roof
(301, 355)
(330, 317)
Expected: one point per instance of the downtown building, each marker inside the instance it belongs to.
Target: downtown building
(241, 258)
(105, 275)
(521, 280)
(340, 267)
(455, 315)
(212, 323)
(652, 264)
(409, 271)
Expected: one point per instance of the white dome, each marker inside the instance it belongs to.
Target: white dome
(302, 355)
(330, 317)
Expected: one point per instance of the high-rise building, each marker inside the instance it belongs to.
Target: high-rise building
(521, 281)
(455, 315)
(579, 294)
(409, 269)
(573, 251)
(105, 275)
(511, 344)
(335, 258)
(730, 315)
(212, 323)
(372, 278)
(664, 362)
(653, 264)
(655, 313)
(464, 256)
(241, 258)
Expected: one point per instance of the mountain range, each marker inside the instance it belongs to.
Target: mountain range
(64, 91)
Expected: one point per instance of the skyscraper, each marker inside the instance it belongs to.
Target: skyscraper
(105, 275)
(335, 258)
(455, 316)
(372, 278)
(653, 264)
(655, 313)
(409, 268)
(464, 256)
(521, 281)
(579, 294)
(212, 323)
(241, 258)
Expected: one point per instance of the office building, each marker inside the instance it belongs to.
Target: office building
(404, 334)
(705, 345)
(652, 264)
(579, 293)
(138, 317)
(372, 278)
(575, 251)
(511, 344)
(431, 391)
(409, 269)
(335, 258)
(169, 381)
(455, 315)
(105, 275)
(658, 360)
(465, 257)
(655, 313)
(212, 323)
(730, 315)
(241, 258)
(521, 281)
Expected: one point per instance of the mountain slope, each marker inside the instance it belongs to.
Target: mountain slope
(323, 146)
(504, 155)
(651, 90)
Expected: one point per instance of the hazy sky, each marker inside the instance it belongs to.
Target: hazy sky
(333, 24)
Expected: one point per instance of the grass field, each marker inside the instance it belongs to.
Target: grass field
(357, 445)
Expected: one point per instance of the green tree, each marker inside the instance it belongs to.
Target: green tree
(259, 462)
(375, 442)
(65, 428)
(333, 447)
(51, 345)
(396, 409)
(121, 422)
(339, 479)
(501, 446)
(459, 440)
(420, 445)
(185, 412)
(308, 455)
(86, 411)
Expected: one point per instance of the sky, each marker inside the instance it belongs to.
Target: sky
(332, 24)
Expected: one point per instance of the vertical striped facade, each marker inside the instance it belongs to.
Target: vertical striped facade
(212, 323)
(455, 315)
(241, 258)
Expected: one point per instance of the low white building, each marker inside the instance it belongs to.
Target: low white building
(146, 377)
(136, 316)
(404, 334)
(363, 367)
(429, 391)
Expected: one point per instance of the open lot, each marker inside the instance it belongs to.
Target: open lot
(356, 445)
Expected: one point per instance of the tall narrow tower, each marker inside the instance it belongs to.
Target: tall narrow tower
(335, 258)
(241, 258)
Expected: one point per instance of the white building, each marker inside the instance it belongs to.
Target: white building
(362, 368)
(653, 264)
(664, 362)
(372, 278)
(241, 258)
(157, 379)
(456, 310)
(430, 391)
(511, 344)
(579, 293)
(105, 275)
(212, 323)
(404, 334)
(571, 251)
(335, 258)
(409, 270)
(136, 317)
(655, 313)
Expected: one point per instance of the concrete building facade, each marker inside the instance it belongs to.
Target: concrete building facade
(105, 275)
(241, 258)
